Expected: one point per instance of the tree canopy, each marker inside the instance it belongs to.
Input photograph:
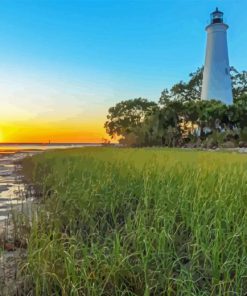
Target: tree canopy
(179, 114)
(127, 115)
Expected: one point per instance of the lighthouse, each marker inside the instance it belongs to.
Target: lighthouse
(216, 75)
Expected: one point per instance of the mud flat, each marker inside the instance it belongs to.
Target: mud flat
(13, 192)
(15, 199)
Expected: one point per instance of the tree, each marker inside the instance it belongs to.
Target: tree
(212, 113)
(239, 83)
(191, 90)
(237, 112)
(179, 111)
(165, 122)
(185, 91)
(125, 116)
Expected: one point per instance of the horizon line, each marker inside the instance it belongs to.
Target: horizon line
(47, 143)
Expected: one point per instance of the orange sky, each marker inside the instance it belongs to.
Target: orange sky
(55, 132)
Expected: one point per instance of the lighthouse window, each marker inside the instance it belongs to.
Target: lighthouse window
(227, 72)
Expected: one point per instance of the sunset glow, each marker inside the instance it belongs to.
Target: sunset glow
(63, 64)
(1, 136)
(53, 132)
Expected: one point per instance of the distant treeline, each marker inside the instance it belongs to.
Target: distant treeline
(181, 118)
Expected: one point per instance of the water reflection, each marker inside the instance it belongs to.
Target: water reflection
(11, 184)
(12, 188)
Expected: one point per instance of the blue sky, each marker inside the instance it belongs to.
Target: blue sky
(71, 60)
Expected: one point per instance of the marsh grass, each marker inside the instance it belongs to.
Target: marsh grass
(138, 222)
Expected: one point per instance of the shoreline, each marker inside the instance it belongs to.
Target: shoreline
(15, 204)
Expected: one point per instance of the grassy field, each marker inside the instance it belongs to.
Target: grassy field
(138, 222)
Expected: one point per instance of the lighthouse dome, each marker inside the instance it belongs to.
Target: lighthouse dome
(217, 16)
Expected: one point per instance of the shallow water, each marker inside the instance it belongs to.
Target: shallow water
(11, 184)
(12, 148)
(12, 189)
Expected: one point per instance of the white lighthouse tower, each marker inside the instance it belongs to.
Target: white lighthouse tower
(216, 76)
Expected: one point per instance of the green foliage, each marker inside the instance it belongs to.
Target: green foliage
(138, 222)
(183, 91)
(179, 111)
(125, 116)
(243, 134)
(239, 83)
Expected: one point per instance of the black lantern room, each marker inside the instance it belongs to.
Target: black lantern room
(217, 17)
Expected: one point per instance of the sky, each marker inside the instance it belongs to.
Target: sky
(63, 63)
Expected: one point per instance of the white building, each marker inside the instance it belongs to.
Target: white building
(216, 76)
